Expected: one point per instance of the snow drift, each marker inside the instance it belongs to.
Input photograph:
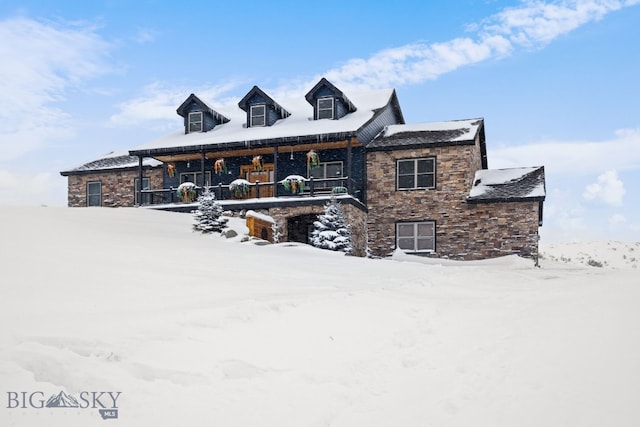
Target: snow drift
(196, 329)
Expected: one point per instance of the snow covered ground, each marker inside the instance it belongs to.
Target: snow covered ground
(197, 330)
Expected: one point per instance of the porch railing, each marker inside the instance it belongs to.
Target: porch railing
(313, 187)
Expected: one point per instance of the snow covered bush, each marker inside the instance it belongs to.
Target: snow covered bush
(208, 216)
(332, 231)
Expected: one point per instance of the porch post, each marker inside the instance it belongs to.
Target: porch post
(138, 188)
(275, 171)
(202, 158)
(349, 172)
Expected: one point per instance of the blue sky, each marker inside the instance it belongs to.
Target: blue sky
(557, 83)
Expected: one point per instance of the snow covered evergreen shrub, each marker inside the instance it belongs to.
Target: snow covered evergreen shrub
(332, 231)
(208, 216)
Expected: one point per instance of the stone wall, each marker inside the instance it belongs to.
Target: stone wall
(117, 186)
(463, 231)
(355, 217)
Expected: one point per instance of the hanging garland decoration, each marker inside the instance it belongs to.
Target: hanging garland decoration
(258, 163)
(239, 188)
(220, 167)
(294, 184)
(312, 160)
(187, 192)
(171, 170)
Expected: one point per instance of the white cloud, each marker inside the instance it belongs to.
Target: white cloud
(40, 62)
(621, 152)
(616, 220)
(532, 25)
(145, 35)
(22, 188)
(608, 189)
(158, 103)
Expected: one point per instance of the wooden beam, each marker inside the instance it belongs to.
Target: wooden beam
(222, 153)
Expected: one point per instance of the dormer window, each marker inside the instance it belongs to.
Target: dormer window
(325, 107)
(328, 101)
(195, 121)
(198, 116)
(261, 109)
(258, 115)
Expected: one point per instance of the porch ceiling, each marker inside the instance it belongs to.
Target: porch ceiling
(217, 154)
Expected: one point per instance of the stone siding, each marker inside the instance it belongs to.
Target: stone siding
(355, 217)
(117, 186)
(463, 231)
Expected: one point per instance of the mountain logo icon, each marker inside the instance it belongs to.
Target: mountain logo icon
(62, 400)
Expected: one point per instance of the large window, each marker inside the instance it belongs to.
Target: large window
(416, 173)
(94, 193)
(196, 178)
(327, 170)
(416, 236)
(325, 108)
(195, 121)
(258, 115)
(146, 185)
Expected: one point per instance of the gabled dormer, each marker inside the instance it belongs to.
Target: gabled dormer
(261, 109)
(328, 101)
(198, 116)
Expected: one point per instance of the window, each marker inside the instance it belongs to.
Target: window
(94, 193)
(416, 173)
(416, 236)
(196, 178)
(325, 108)
(195, 121)
(327, 170)
(146, 185)
(258, 115)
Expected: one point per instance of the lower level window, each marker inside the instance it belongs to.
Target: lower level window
(94, 193)
(416, 236)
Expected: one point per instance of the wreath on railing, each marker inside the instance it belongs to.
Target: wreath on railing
(239, 188)
(187, 192)
(220, 167)
(171, 170)
(294, 183)
(258, 163)
(312, 160)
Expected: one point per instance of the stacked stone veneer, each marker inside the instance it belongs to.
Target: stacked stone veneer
(117, 186)
(355, 217)
(463, 230)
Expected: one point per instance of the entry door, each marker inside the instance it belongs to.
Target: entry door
(266, 175)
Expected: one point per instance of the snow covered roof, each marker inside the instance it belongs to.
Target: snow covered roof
(299, 125)
(508, 185)
(112, 160)
(428, 134)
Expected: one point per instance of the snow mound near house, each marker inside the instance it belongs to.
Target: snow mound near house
(196, 329)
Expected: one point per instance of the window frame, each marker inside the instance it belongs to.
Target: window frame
(332, 109)
(146, 197)
(91, 195)
(323, 166)
(263, 115)
(196, 174)
(200, 122)
(416, 236)
(416, 173)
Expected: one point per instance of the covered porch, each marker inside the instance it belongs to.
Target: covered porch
(257, 170)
